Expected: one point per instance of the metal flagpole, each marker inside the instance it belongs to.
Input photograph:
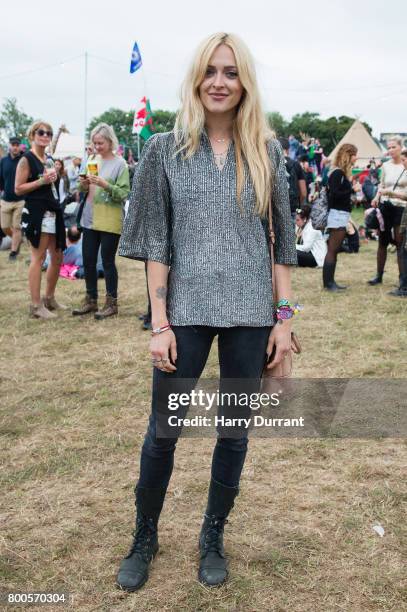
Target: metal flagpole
(86, 98)
(138, 147)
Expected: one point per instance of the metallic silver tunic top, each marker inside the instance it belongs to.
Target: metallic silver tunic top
(185, 214)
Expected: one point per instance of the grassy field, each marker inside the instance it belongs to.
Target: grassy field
(74, 408)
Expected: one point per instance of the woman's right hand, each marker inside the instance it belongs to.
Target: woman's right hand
(83, 182)
(50, 176)
(162, 347)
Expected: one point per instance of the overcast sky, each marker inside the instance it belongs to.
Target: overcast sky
(345, 57)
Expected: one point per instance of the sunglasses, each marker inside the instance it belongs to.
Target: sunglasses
(42, 132)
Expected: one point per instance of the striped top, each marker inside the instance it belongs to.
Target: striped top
(185, 214)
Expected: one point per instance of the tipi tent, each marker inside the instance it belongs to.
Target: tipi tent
(69, 146)
(367, 147)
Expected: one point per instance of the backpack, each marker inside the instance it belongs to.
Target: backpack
(319, 210)
(369, 189)
(292, 181)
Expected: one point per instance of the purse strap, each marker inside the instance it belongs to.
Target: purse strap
(272, 240)
(397, 182)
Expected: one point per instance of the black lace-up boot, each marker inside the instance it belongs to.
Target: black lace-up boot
(133, 571)
(213, 565)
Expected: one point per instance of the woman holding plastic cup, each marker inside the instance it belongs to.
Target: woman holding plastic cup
(107, 185)
(42, 219)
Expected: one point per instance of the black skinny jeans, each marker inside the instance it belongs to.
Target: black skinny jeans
(242, 354)
(91, 241)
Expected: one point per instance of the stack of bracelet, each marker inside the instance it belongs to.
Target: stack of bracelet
(286, 310)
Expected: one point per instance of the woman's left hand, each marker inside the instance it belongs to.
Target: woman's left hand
(280, 340)
(98, 181)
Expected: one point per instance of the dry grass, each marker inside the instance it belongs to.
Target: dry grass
(75, 402)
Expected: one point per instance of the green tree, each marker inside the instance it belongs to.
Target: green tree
(13, 120)
(278, 124)
(163, 121)
(305, 123)
(120, 120)
(122, 123)
(328, 131)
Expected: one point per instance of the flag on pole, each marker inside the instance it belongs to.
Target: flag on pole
(143, 120)
(135, 62)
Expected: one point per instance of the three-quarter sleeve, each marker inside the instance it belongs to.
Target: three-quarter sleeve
(146, 228)
(284, 246)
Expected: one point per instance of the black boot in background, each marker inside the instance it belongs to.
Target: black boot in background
(213, 566)
(328, 274)
(133, 571)
(377, 280)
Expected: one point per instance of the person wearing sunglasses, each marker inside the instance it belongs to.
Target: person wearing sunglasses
(42, 218)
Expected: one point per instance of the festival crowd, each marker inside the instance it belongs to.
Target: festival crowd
(71, 212)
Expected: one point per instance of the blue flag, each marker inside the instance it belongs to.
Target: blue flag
(135, 62)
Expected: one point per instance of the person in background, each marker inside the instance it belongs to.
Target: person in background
(73, 253)
(293, 145)
(339, 206)
(403, 231)
(42, 218)
(326, 164)
(11, 205)
(357, 191)
(73, 176)
(297, 188)
(311, 155)
(101, 220)
(308, 174)
(310, 244)
(393, 182)
(319, 153)
(62, 182)
(369, 187)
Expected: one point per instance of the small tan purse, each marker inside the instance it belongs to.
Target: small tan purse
(284, 368)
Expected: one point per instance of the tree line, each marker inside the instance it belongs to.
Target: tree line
(14, 122)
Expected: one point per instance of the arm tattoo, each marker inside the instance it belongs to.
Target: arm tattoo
(23, 163)
(161, 293)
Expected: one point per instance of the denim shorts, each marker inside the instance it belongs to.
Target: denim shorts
(337, 218)
(48, 223)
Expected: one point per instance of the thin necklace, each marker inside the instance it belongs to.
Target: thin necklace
(42, 159)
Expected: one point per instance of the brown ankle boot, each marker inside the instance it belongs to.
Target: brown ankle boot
(89, 304)
(109, 309)
(40, 312)
(51, 304)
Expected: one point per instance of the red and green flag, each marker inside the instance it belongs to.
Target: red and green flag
(143, 120)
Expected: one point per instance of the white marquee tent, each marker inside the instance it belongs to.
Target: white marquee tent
(366, 145)
(69, 145)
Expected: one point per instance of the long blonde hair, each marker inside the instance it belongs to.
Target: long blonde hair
(250, 129)
(343, 158)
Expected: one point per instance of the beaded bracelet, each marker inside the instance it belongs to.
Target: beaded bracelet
(286, 310)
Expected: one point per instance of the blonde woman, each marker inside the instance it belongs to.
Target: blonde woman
(197, 215)
(393, 181)
(42, 219)
(101, 220)
(401, 194)
(340, 206)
